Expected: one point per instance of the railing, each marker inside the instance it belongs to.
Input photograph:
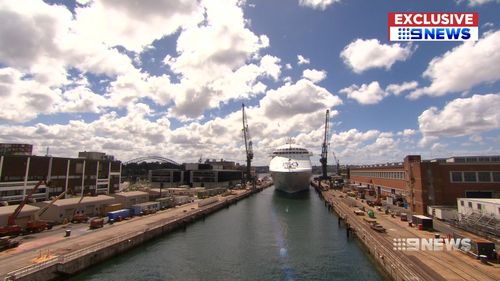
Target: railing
(13, 275)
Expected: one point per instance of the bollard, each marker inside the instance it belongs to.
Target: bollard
(67, 233)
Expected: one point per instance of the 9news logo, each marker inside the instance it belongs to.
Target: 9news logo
(433, 27)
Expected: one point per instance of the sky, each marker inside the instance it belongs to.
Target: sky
(168, 78)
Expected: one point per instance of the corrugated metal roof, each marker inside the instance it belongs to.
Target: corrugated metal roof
(8, 210)
(131, 194)
(85, 200)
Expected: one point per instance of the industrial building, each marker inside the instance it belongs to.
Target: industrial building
(420, 183)
(16, 149)
(20, 173)
(26, 214)
(64, 209)
(480, 215)
(197, 175)
(127, 199)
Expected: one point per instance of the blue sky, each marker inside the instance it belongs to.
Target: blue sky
(134, 78)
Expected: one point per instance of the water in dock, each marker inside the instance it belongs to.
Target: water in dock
(268, 236)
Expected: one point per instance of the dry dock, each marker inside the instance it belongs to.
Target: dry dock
(404, 265)
(67, 256)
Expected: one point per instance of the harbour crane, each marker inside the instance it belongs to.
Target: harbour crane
(336, 163)
(248, 145)
(324, 148)
(37, 224)
(12, 228)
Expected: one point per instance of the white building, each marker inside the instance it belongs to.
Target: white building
(481, 206)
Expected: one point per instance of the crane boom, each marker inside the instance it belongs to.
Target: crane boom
(337, 163)
(44, 209)
(12, 218)
(248, 144)
(324, 147)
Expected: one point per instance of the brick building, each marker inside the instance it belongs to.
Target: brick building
(420, 183)
(19, 174)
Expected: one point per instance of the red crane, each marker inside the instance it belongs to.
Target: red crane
(12, 228)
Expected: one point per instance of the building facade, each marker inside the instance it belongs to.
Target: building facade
(195, 175)
(486, 207)
(16, 149)
(420, 183)
(19, 174)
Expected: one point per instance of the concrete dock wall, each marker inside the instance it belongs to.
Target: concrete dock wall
(79, 260)
(397, 267)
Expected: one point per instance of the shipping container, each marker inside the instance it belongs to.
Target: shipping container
(111, 208)
(145, 208)
(119, 215)
(166, 202)
(426, 222)
(207, 201)
(181, 200)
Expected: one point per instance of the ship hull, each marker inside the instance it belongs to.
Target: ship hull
(291, 182)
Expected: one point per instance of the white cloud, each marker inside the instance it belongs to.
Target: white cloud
(288, 66)
(303, 97)
(366, 93)
(475, 3)
(449, 74)
(463, 116)
(317, 4)
(397, 89)
(362, 54)
(314, 75)
(132, 24)
(302, 60)
(407, 132)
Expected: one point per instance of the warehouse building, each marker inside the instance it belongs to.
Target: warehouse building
(127, 199)
(20, 173)
(26, 214)
(16, 149)
(197, 175)
(64, 209)
(419, 183)
(480, 215)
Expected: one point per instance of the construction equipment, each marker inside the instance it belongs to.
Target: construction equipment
(96, 223)
(8, 243)
(324, 148)
(37, 224)
(79, 217)
(248, 145)
(337, 163)
(12, 228)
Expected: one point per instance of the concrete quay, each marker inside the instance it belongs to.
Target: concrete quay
(403, 265)
(73, 254)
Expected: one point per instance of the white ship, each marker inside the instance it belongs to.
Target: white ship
(291, 168)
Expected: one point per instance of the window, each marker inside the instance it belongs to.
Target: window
(470, 204)
(496, 176)
(456, 177)
(484, 176)
(470, 176)
(478, 206)
(461, 202)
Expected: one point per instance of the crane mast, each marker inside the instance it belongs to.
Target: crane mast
(337, 163)
(248, 144)
(324, 148)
